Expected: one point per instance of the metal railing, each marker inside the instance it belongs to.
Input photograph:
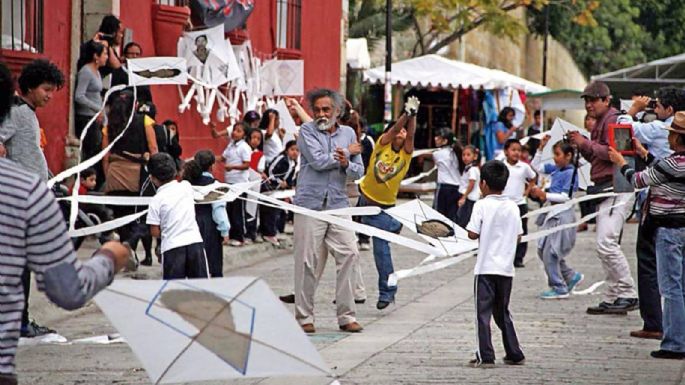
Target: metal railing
(288, 24)
(21, 23)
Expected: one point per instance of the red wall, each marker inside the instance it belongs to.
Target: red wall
(320, 51)
(54, 118)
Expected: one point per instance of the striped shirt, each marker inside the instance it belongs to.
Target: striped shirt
(666, 180)
(33, 235)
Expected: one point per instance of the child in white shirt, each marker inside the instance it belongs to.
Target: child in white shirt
(236, 158)
(171, 215)
(448, 162)
(468, 187)
(518, 187)
(495, 223)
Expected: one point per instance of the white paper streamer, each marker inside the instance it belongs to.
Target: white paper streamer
(563, 206)
(423, 269)
(107, 226)
(90, 162)
(589, 290)
(354, 226)
(422, 175)
(546, 232)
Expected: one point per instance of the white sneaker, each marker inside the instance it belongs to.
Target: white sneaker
(364, 246)
(235, 243)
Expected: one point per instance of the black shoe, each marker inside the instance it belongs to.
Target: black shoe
(290, 298)
(147, 261)
(519, 264)
(514, 362)
(620, 306)
(626, 304)
(602, 308)
(33, 330)
(667, 354)
(380, 305)
(475, 363)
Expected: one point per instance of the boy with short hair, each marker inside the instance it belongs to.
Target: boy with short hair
(170, 216)
(495, 222)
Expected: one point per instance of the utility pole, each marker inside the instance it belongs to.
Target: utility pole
(387, 116)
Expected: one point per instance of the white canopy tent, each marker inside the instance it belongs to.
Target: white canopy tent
(437, 71)
(558, 100)
(646, 77)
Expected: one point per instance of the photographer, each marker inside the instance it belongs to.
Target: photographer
(619, 296)
(655, 136)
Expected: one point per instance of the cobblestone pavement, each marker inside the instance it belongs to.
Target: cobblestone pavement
(427, 337)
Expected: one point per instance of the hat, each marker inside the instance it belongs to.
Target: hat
(596, 90)
(251, 116)
(678, 124)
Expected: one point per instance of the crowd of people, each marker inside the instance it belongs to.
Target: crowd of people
(487, 197)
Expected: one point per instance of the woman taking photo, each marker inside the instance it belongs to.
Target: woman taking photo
(88, 99)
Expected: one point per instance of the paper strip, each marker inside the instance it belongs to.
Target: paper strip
(354, 226)
(106, 226)
(589, 290)
(422, 175)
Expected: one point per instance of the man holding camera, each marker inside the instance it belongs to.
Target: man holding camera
(654, 136)
(619, 295)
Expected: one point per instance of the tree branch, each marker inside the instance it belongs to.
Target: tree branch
(454, 36)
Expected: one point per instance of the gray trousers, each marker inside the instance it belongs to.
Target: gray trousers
(619, 282)
(310, 238)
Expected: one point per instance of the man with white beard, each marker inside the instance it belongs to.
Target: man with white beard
(329, 155)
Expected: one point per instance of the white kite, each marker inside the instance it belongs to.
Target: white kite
(209, 329)
(211, 63)
(282, 78)
(560, 129)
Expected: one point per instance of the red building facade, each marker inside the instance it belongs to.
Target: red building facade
(308, 30)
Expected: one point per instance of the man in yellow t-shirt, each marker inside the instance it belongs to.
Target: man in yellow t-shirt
(388, 165)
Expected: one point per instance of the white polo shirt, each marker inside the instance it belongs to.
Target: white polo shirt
(496, 220)
(519, 175)
(272, 146)
(173, 210)
(448, 166)
(471, 174)
(235, 154)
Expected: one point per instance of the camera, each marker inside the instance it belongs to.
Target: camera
(109, 38)
(652, 104)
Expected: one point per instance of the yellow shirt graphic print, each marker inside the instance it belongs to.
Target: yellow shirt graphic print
(386, 170)
(388, 166)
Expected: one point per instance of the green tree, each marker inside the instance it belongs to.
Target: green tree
(626, 32)
(438, 23)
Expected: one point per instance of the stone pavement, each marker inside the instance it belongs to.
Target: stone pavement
(427, 337)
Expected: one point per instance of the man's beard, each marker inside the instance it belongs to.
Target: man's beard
(324, 124)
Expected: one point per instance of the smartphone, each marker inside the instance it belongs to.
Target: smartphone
(621, 138)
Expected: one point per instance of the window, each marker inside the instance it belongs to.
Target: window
(288, 24)
(22, 25)
(177, 3)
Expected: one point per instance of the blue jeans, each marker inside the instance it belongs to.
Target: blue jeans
(381, 253)
(670, 250)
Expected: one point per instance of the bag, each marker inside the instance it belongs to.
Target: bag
(122, 175)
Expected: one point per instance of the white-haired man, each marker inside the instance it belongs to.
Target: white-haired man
(329, 155)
